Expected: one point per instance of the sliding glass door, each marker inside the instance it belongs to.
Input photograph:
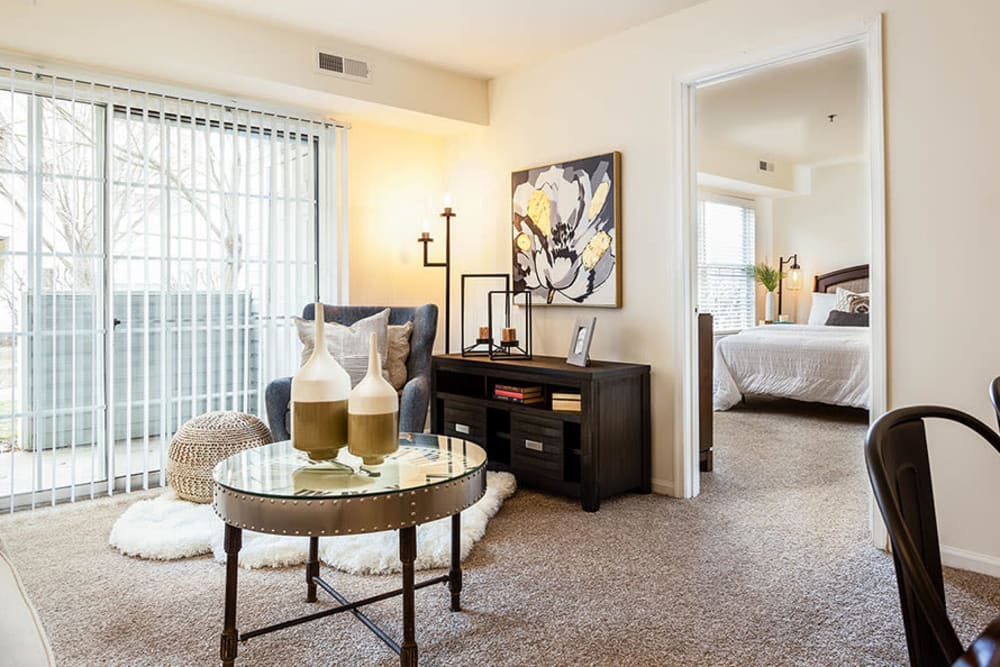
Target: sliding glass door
(153, 253)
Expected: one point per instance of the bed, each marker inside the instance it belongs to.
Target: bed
(805, 362)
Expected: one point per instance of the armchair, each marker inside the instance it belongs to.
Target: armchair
(415, 397)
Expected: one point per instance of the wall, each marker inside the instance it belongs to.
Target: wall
(744, 166)
(828, 228)
(394, 177)
(617, 94)
(173, 42)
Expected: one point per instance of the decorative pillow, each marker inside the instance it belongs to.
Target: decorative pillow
(822, 304)
(852, 302)
(348, 345)
(397, 354)
(840, 318)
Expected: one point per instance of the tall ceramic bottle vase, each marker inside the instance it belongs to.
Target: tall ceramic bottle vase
(373, 413)
(320, 391)
(769, 307)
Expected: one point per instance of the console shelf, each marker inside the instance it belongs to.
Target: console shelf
(600, 451)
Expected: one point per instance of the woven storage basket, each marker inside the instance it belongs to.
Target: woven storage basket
(204, 441)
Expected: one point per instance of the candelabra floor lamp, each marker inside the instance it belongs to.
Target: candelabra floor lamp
(425, 238)
(794, 277)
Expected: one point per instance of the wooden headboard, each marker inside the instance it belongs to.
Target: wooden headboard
(854, 278)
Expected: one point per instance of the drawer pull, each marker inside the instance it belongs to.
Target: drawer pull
(462, 428)
(534, 445)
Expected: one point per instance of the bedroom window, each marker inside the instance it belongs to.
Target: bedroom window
(725, 249)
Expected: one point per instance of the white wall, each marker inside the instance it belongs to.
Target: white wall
(741, 165)
(393, 176)
(178, 43)
(828, 228)
(616, 94)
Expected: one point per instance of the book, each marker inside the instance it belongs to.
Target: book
(565, 406)
(515, 394)
(524, 401)
(518, 390)
(564, 396)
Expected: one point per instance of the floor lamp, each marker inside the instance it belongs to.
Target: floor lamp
(794, 276)
(425, 238)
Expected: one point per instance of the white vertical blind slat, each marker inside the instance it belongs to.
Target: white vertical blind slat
(210, 224)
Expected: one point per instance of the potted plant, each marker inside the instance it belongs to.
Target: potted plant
(769, 277)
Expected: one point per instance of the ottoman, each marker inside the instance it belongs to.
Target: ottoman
(204, 441)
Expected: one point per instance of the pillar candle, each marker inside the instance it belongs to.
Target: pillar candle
(484, 333)
(508, 335)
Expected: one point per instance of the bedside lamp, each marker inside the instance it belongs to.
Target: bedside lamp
(794, 276)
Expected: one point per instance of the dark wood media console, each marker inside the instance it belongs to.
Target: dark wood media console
(600, 451)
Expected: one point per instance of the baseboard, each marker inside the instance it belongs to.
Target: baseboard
(663, 487)
(970, 560)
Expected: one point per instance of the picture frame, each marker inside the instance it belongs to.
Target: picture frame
(566, 231)
(579, 342)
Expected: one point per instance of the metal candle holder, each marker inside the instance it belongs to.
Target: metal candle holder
(425, 238)
(483, 347)
(511, 349)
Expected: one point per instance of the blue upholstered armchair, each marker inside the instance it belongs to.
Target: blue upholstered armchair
(416, 393)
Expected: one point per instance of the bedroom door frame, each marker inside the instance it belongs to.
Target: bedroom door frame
(867, 34)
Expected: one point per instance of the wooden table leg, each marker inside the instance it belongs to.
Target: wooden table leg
(408, 554)
(230, 637)
(455, 573)
(312, 569)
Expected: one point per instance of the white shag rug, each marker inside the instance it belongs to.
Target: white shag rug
(167, 528)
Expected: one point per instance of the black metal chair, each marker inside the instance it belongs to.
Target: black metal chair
(995, 396)
(899, 469)
(985, 650)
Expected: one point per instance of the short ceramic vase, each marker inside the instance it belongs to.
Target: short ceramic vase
(320, 391)
(373, 413)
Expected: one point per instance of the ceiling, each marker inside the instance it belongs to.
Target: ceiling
(480, 38)
(782, 113)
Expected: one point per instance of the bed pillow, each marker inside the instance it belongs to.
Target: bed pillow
(840, 318)
(853, 302)
(348, 345)
(822, 304)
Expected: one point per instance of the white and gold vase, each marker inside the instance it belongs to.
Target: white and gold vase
(320, 391)
(373, 413)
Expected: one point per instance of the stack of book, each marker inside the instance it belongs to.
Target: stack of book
(515, 394)
(565, 402)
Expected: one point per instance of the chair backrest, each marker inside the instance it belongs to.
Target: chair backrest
(899, 469)
(424, 320)
(995, 396)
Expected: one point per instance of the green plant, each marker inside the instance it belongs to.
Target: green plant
(768, 276)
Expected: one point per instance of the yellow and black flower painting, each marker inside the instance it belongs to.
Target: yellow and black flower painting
(566, 226)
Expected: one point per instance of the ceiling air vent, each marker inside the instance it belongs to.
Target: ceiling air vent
(764, 165)
(342, 66)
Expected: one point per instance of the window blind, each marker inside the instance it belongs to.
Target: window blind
(154, 250)
(726, 233)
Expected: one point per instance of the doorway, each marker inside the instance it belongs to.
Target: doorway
(867, 39)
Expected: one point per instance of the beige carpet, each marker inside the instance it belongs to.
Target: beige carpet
(771, 566)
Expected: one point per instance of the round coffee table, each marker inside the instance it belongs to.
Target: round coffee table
(276, 489)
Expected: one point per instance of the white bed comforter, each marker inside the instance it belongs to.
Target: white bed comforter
(807, 363)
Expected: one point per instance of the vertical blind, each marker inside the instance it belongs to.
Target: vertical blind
(154, 249)
(726, 233)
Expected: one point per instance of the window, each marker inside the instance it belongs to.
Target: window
(725, 251)
(154, 251)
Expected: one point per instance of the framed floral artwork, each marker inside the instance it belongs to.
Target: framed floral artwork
(566, 229)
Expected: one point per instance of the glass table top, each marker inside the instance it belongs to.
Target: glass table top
(278, 470)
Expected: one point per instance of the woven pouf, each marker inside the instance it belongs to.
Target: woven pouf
(204, 441)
